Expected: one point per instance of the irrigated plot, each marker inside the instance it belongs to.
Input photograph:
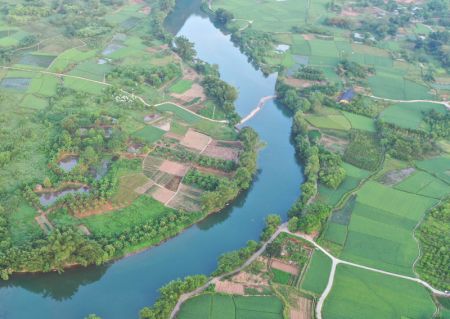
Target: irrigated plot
(424, 184)
(316, 277)
(359, 293)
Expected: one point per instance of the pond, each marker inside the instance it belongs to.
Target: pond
(68, 163)
(48, 199)
(120, 289)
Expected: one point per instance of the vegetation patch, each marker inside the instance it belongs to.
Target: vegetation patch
(316, 276)
(181, 86)
(359, 293)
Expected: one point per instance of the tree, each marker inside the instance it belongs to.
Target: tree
(184, 48)
(223, 16)
(47, 183)
(273, 249)
(293, 224)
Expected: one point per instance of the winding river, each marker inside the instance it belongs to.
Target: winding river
(120, 289)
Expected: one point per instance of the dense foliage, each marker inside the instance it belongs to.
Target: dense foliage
(230, 261)
(363, 151)
(434, 236)
(331, 172)
(169, 295)
(309, 73)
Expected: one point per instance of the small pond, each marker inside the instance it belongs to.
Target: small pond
(68, 163)
(47, 199)
(40, 60)
(19, 84)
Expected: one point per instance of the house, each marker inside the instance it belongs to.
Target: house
(346, 96)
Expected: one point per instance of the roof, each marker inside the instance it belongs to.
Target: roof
(347, 95)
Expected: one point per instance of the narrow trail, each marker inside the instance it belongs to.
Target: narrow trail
(335, 262)
(61, 75)
(445, 103)
(258, 108)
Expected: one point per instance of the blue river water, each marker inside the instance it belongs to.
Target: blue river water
(120, 289)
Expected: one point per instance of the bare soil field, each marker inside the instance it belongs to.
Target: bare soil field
(174, 168)
(298, 83)
(162, 195)
(396, 176)
(226, 153)
(196, 91)
(283, 266)
(195, 140)
(144, 188)
(230, 287)
(303, 310)
(334, 143)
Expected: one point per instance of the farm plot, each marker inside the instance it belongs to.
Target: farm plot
(360, 122)
(187, 198)
(316, 277)
(71, 57)
(195, 140)
(149, 134)
(15, 84)
(334, 122)
(353, 177)
(142, 210)
(283, 14)
(181, 86)
(91, 69)
(216, 306)
(381, 226)
(410, 115)
(39, 60)
(358, 293)
(23, 227)
(424, 184)
(438, 166)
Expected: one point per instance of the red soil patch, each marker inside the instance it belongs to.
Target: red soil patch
(144, 188)
(146, 10)
(174, 136)
(350, 13)
(298, 83)
(281, 265)
(308, 37)
(173, 183)
(195, 140)
(250, 279)
(210, 170)
(196, 91)
(226, 153)
(229, 287)
(173, 168)
(163, 195)
(302, 310)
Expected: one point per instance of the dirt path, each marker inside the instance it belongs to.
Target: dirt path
(445, 103)
(108, 84)
(258, 108)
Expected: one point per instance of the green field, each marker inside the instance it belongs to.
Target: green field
(409, 115)
(149, 134)
(360, 122)
(142, 210)
(359, 293)
(281, 277)
(316, 277)
(23, 226)
(424, 184)
(353, 177)
(438, 166)
(217, 306)
(381, 226)
(181, 86)
(334, 122)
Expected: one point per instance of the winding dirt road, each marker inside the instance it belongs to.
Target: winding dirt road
(445, 103)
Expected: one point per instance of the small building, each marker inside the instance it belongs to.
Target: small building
(346, 96)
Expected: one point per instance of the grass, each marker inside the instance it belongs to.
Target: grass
(70, 57)
(34, 102)
(149, 134)
(23, 227)
(127, 185)
(316, 277)
(179, 113)
(409, 115)
(334, 122)
(381, 226)
(142, 210)
(438, 166)
(424, 184)
(360, 122)
(336, 233)
(83, 85)
(281, 277)
(181, 86)
(359, 293)
(217, 306)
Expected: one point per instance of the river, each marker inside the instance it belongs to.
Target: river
(120, 289)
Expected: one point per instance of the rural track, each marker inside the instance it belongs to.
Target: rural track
(334, 263)
(445, 103)
(108, 84)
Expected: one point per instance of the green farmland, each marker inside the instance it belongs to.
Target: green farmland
(316, 277)
(216, 306)
(358, 293)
